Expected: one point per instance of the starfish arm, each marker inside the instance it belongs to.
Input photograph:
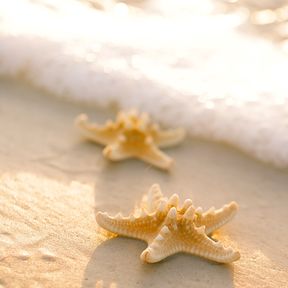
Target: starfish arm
(155, 157)
(169, 138)
(116, 152)
(100, 134)
(163, 245)
(196, 242)
(214, 219)
(140, 226)
(151, 200)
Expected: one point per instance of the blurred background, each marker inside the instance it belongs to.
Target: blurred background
(216, 67)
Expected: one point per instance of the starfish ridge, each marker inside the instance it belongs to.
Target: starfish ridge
(169, 228)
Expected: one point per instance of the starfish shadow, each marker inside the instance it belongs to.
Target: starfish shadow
(117, 260)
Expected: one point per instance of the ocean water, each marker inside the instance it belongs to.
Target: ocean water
(178, 60)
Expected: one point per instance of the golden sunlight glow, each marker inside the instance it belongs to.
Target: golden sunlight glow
(264, 17)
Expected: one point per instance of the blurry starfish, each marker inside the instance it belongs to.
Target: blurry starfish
(132, 135)
(169, 228)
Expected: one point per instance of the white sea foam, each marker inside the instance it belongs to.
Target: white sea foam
(197, 72)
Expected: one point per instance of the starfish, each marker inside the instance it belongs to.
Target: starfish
(169, 228)
(132, 135)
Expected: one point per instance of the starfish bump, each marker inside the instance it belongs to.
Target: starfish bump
(132, 135)
(169, 228)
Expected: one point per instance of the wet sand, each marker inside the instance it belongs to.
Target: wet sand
(53, 182)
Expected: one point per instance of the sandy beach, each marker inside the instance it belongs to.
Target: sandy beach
(53, 182)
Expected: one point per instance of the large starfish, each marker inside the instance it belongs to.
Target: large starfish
(169, 228)
(132, 135)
